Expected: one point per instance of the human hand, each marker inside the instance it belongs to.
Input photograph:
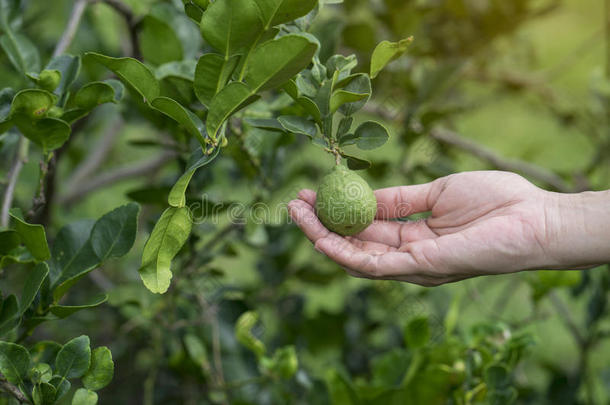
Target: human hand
(480, 223)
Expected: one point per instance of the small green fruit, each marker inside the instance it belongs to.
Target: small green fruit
(345, 203)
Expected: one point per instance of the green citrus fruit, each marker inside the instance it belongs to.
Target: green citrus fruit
(345, 203)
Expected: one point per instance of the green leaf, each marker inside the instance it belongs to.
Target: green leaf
(33, 103)
(64, 311)
(62, 386)
(21, 52)
(73, 257)
(193, 12)
(114, 233)
(132, 72)
(344, 126)
(44, 394)
(9, 240)
(195, 349)
(243, 333)
(69, 67)
(45, 351)
(341, 97)
(276, 12)
(347, 139)
(158, 41)
(358, 84)
(184, 70)
(275, 62)
(269, 124)
(167, 238)
(212, 73)
(9, 315)
(386, 52)
(227, 102)
(371, 135)
(306, 103)
(231, 26)
(182, 115)
(48, 133)
(93, 94)
(341, 64)
(83, 396)
(355, 163)
(32, 285)
(298, 125)
(417, 332)
(101, 371)
(197, 160)
(14, 362)
(32, 235)
(82, 246)
(74, 358)
(271, 65)
(40, 372)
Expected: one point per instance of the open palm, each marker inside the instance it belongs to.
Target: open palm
(480, 223)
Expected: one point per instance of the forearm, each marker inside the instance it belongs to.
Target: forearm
(578, 229)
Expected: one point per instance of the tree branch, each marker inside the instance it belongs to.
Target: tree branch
(20, 158)
(145, 168)
(73, 22)
(527, 169)
(95, 159)
(13, 390)
(130, 18)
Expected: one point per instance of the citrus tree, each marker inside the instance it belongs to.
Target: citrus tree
(178, 278)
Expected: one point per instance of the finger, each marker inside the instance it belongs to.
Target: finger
(309, 196)
(373, 265)
(302, 213)
(402, 201)
(394, 233)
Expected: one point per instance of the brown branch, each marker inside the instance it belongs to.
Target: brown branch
(527, 169)
(13, 390)
(145, 168)
(131, 20)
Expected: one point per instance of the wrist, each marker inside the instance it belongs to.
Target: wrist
(578, 229)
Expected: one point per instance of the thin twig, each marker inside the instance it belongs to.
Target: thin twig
(13, 390)
(145, 168)
(527, 169)
(73, 22)
(18, 162)
(130, 18)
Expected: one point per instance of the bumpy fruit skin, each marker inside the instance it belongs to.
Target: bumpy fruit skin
(345, 203)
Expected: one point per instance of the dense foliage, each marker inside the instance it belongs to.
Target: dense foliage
(178, 278)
